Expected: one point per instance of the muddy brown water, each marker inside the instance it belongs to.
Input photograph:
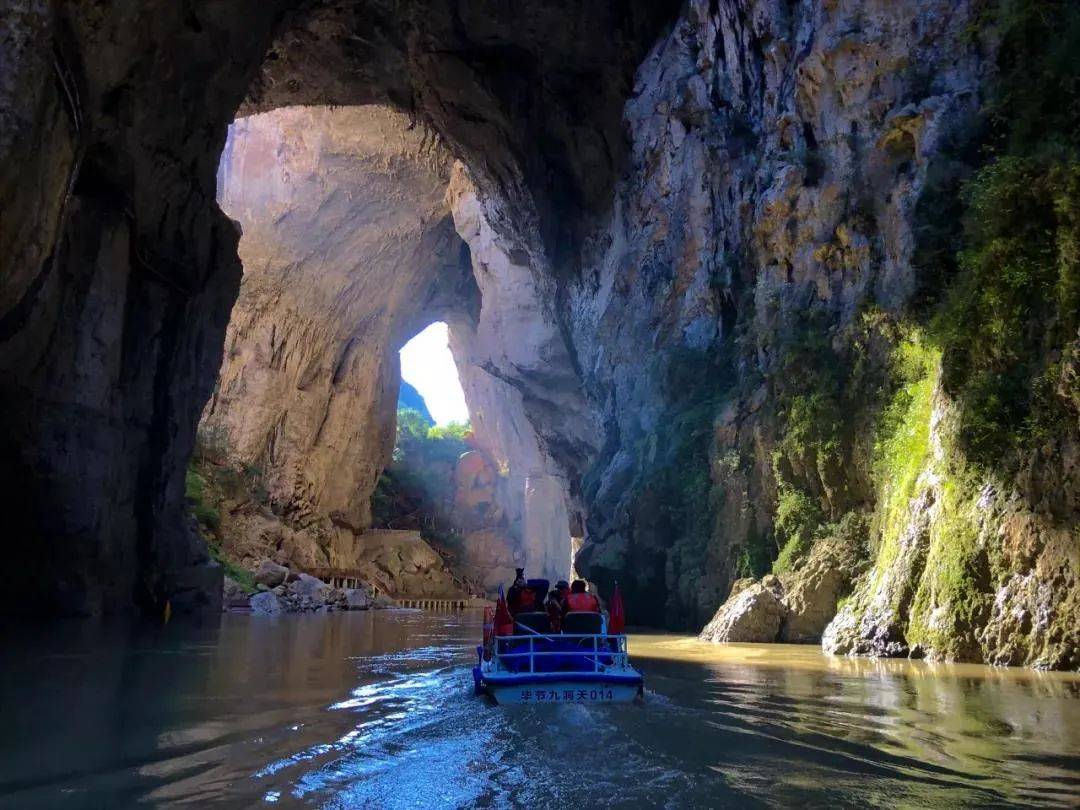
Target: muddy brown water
(375, 710)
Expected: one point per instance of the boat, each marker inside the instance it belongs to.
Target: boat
(523, 661)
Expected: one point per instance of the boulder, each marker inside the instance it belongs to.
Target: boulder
(266, 603)
(811, 602)
(309, 587)
(233, 595)
(754, 614)
(357, 599)
(811, 592)
(740, 585)
(270, 574)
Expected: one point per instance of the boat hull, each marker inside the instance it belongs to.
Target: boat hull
(564, 688)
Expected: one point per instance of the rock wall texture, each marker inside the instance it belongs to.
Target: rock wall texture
(764, 247)
(347, 247)
(118, 275)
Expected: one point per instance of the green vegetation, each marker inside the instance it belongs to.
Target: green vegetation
(998, 303)
(417, 489)
(1015, 299)
(811, 390)
(902, 444)
(207, 482)
(754, 557)
(244, 578)
(953, 596)
(798, 518)
(203, 511)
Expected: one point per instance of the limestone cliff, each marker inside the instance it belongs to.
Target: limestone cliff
(771, 247)
(346, 245)
(778, 153)
(348, 250)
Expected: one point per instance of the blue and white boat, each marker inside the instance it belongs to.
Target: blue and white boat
(582, 664)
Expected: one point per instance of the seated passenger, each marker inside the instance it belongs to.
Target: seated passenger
(521, 598)
(579, 599)
(554, 604)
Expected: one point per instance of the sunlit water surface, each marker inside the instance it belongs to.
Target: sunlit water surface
(376, 710)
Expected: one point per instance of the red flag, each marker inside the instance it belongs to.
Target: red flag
(616, 613)
(504, 624)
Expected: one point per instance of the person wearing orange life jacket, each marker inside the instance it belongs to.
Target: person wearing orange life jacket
(580, 600)
(521, 598)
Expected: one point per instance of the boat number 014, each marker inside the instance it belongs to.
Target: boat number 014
(565, 695)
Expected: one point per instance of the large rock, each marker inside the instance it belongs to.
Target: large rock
(270, 574)
(811, 600)
(357, 599)
(267, 603)
(755, 614)
(405, 559)
(306, 586)
(813, 591)
(233, 595)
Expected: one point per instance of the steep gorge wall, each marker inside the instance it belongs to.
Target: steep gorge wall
(117, 277)
(747, 326)
(778, 153)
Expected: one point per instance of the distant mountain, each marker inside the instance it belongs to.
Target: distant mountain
(409, 397)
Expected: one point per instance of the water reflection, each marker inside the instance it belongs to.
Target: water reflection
(374, 709)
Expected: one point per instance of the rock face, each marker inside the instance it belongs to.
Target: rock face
(349, 249)
(346, 240)
(755, 614)
(729, 228)
(270, 574)
(404, 559)
(119, 270)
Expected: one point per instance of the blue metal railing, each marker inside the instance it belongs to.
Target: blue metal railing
(604, 653)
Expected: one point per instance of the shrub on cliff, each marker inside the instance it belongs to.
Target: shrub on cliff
(417, 489)
(1015, 302)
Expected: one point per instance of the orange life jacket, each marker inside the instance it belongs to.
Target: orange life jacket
(522, 600)
(582, 601)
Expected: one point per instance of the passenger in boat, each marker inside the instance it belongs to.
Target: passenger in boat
(555, 602)
(580, 600)
(521, 598)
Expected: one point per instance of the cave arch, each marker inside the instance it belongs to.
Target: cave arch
(120, 269)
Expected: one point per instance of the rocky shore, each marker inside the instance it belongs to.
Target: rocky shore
(794, 607)
(279, 589)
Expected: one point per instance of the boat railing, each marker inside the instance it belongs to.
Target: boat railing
(602, 653)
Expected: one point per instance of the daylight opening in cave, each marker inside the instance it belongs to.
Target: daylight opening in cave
(429, 367)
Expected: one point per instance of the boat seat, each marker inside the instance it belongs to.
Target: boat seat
(535, 620)
(582, 622)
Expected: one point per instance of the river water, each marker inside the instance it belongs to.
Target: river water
(375, 710)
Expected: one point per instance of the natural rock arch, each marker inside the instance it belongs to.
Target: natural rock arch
(120, 269)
